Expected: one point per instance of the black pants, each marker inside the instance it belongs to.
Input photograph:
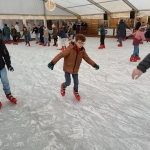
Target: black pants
(102, 40)
(18, 36)
(41, 39)
(14, 39)
(55, 41)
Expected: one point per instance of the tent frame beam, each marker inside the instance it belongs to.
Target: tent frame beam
(99, 6)
(130, 5)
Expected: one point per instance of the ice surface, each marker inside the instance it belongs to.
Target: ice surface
(114, 112)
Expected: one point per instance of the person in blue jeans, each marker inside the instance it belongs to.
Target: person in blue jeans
(5, 59)
(26, 36)
(73, 56)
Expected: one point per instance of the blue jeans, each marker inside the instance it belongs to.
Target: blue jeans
(67, 35)
(136, 51)
(29, 35)
(74, 31)
(37, 38)
(26, 39)
(68, 80)
(4, 80)
(46, 40)
(120, 40)
(7, 37)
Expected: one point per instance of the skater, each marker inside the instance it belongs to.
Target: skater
(41, 31)
(138, 24)
(72, 59)
(14, 34)
(5, 59)
(28, 29)
(36, 31)
(102, 37)
(46, 36)
(141, 68)
(138, 36)
(7, 34)
(70, 32)
(62, 36)
(54, 35)
(26, 36)
(18, 31)
(121, 31)
(74, 30)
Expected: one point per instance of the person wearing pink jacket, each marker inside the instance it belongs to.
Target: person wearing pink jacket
(138, 36)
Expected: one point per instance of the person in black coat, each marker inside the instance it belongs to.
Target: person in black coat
(36, 31)
(102, 36)
(138, 24)
(5, 59)
(41, 31)
(62, 36)
(121, 31)
(141, 68)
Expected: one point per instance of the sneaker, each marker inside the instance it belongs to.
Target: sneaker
(62, 89)
(76, 94)
(11, 98)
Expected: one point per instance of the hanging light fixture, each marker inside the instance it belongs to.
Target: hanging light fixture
(50, 5)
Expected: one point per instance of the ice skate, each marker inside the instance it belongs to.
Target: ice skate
(11, 98)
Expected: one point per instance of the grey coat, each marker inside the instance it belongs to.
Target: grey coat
(122, 29)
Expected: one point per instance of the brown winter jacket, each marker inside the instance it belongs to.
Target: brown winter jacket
(73, 59)
(46, 33)
(70, 31)
(54, 32)
(13, 32)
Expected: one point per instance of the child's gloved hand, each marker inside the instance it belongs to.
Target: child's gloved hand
(96, 66)
(51, 65)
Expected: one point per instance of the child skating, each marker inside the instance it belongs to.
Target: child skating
(72, 59)
(5, 59)
(138, 36)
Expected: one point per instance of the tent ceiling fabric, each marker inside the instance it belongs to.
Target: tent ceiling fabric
(84, 7)
(141, 4)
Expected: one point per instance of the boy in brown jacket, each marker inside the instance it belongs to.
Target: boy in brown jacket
(72, 59)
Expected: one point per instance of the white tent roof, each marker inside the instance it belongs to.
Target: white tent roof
(72, 7)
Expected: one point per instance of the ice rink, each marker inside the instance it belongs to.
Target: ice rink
(113, 114)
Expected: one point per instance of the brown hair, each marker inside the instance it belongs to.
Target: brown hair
(80, 37)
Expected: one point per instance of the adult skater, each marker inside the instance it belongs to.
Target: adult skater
(14, 35)
(138, 36)
(36, 31)
(46, 36)
(18, 31)
(72, 59)
(121, 31)
(102, 36)
(5, 59)
(7, 34)
(138, 24)
(141, 68)
(62, 36)
(54, 35)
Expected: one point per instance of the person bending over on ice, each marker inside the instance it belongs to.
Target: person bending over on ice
(72, 59)
(5, 59)
(141, 68)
